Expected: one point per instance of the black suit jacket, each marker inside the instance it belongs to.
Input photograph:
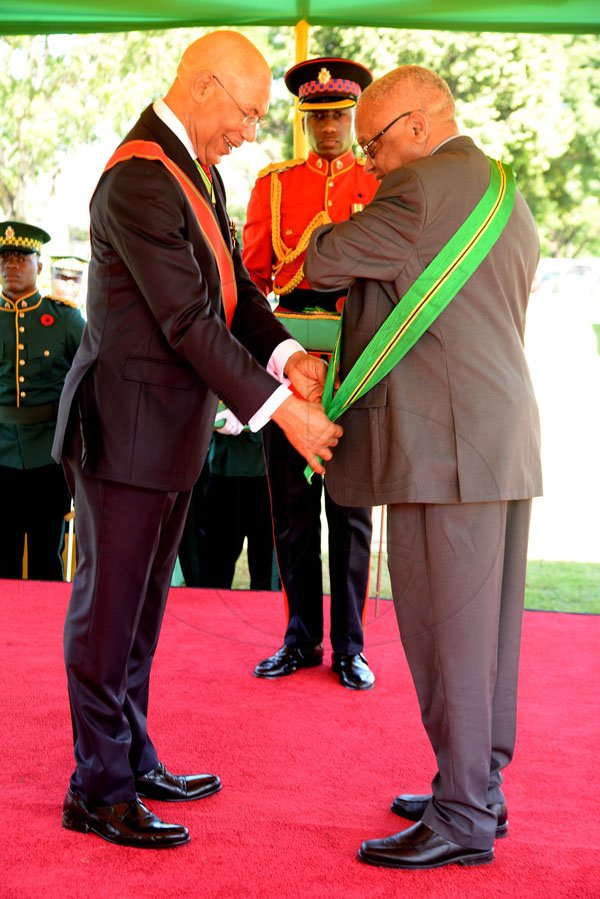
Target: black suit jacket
(156, 352)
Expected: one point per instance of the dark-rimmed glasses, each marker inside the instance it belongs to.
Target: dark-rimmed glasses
(366, 148)
(249, 121)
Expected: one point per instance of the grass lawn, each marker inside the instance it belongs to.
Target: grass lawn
(551, 586)
(563, 586)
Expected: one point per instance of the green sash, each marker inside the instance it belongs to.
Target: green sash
(427, 298)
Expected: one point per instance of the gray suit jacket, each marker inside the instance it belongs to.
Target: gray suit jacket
(456, 420)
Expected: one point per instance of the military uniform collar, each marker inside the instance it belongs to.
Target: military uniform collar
(329, 169)
(23, 304)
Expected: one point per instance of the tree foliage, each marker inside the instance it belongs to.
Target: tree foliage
(59, 91)
(532, 100)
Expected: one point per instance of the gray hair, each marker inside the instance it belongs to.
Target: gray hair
(425, 88)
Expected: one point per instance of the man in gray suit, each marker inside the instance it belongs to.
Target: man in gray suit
(449, 440)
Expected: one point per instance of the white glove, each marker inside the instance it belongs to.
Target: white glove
(227, 423)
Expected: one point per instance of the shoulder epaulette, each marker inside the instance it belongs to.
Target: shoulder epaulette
(281, 166)
(63, 302)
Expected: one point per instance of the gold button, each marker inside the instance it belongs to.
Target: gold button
(21, 362)
(23, 302)
(21, 346)
(21, 379)
(330, 203)
(21, 315)
(331, 183)
(23, 393)
(46, 352)
(21, 329)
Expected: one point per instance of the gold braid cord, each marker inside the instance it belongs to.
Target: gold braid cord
(283, 253)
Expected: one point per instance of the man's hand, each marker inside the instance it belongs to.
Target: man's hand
(307, 375)
(308, 429)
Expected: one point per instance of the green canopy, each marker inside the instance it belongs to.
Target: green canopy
(48, 16)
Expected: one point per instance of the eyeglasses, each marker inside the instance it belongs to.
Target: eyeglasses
(366, 148)
(249, 121)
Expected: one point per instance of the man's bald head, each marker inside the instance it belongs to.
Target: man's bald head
(223, 51)
(223, 83)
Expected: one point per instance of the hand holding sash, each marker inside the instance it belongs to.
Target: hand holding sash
(307, 376)
(308, 429)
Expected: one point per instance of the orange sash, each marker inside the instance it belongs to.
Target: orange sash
(145, 149)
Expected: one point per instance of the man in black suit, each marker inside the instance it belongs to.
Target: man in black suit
(174, 322)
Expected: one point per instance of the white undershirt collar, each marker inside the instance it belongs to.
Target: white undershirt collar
(166, 115)
(448, 139)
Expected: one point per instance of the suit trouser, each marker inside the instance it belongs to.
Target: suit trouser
(458, 580)
(296, 509)
(127, 539)
(36, 501)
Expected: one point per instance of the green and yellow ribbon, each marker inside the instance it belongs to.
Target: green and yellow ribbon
(426, 298)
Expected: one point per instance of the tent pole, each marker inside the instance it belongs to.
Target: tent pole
(301, 33)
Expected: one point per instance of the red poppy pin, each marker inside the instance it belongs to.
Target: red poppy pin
(47, 320)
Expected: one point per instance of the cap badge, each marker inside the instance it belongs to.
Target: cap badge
(324, 76)
(9, 233)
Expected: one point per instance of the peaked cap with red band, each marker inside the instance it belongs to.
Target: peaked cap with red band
(328, 82)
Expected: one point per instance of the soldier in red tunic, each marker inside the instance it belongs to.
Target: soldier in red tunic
(289, 200)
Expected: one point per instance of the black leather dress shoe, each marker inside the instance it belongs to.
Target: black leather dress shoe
(418, 848)
(288, 660)
(412, 807)
(353, 671)
(126, 823)
(161, 784)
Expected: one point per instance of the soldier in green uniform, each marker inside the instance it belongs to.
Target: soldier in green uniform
(38, 340)
(66, 274)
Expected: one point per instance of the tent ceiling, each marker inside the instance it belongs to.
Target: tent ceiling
(49, 16)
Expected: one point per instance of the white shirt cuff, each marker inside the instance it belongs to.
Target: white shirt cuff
(263, 415)
(275, 367)
(280, 356)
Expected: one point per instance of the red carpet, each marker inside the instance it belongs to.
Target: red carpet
(308, 768)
